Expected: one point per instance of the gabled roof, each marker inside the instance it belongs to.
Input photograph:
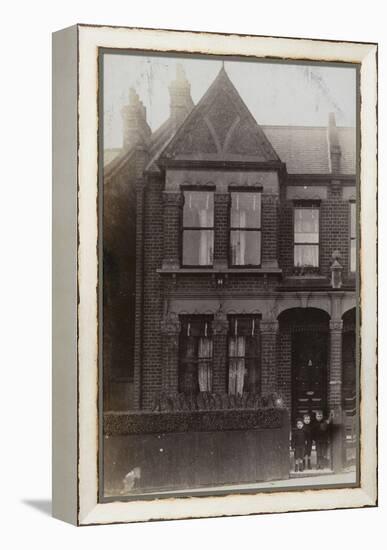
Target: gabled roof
(220, 128)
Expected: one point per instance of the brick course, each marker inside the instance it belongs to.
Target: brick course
(269, 229)
(269, 340)
(284, 365)
(151, 366)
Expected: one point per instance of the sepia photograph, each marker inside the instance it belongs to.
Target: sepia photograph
(228, 275)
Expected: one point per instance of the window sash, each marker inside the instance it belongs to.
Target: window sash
(198, 247)
(245, 247)
(244, 355)
(306, 255)
(353, 237)
(245, 210)
(198, 228)
(353, 255)
(196, 352)
(306, 236)
(198, 210)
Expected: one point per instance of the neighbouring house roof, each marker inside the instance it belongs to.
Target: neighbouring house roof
(110, 154)
(305, 149)
(158, 141)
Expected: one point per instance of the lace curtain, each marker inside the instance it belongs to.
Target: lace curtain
(306, 255)
(206, 238)
(237, 349)
(204, 364)
(239, 240)
(306, 237)
(198, 221)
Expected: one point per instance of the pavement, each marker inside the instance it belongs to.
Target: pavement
(324, 477)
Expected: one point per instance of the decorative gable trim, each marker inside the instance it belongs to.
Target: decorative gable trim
(220, 129)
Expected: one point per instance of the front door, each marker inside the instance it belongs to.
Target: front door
(309, 366)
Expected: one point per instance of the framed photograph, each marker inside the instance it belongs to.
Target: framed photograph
(215, 274)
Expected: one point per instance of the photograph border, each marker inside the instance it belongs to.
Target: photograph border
(206, 491)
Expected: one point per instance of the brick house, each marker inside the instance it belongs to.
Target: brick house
(229, 256)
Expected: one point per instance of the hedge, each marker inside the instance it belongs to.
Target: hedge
(192, 421)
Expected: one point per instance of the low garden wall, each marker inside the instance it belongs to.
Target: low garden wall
(195, 448)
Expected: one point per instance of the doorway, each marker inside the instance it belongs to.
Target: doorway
(309, 368)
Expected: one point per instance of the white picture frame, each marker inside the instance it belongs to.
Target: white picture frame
(75, 273)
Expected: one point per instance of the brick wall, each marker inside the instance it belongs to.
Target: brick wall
(160, 241)
(269, 229)
(284, 369)
(171, 213)
(244, 282)
(220, 373)
(335, 364)
(139, 292)
(151, 370)
(119, 281)
(269, 348)
(286, 240)
(221, 228)
(334, 231)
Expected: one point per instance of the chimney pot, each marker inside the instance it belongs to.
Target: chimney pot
(136, 128)
(333, 145)
(180, 96)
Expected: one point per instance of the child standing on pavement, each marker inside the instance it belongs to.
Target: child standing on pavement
(308, 443)
(298, 444)
(321, 438)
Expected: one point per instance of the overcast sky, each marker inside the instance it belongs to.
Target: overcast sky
(275, 93)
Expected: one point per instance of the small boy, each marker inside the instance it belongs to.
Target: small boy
(298, 444)
(308, 442)
(321, 437)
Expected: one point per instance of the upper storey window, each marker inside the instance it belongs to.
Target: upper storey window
(353, 237)
(306, 237)
(245, 228)
(198, 228)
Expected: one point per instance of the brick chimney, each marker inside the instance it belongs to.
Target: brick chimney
(136, 128)
(333, 145)
(181, 102)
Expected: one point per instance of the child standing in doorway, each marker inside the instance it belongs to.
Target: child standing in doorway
(308, 443)
(298, 444)
(321, 438)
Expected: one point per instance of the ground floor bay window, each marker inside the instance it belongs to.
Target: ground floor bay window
(196, 351)
(244, 355)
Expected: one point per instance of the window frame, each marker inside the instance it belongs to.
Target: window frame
(251, 190)
(352, 273)
(232, 318)
(199, 189)
(307, 205)
(185, 320)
